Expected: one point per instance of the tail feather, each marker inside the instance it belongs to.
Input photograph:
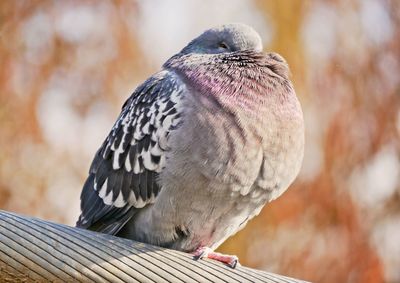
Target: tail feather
(98, 216)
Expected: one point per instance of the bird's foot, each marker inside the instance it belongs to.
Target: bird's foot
(206, 252)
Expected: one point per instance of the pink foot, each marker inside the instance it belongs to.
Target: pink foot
(206, 252)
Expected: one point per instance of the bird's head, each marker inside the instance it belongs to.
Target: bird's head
(227, 62)
(224, 39)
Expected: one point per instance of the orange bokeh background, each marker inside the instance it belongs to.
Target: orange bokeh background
(67, 67)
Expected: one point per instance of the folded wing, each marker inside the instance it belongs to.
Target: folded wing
(123, 175)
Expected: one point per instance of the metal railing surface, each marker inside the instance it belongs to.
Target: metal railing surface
(33, 250)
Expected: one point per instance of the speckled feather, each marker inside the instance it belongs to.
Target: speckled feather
(123, 174)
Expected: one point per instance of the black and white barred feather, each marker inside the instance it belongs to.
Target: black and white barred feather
(123, 174)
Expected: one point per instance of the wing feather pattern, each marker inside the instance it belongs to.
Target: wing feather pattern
(123, 174)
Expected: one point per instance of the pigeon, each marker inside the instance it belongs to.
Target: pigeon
(199, 148)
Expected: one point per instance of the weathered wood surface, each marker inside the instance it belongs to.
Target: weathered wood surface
(33, 250)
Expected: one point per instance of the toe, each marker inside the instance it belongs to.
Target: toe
(233, 262)
(201, 252)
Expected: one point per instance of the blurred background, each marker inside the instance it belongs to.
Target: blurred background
(68, 66)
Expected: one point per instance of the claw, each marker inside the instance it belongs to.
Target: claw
(205, 252)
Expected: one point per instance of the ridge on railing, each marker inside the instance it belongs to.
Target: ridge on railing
(33, 250)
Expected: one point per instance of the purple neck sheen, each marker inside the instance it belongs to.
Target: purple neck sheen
(239, 79)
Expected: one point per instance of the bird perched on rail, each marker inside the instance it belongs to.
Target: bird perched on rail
(199, 148)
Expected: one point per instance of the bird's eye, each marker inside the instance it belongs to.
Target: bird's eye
(222, 45)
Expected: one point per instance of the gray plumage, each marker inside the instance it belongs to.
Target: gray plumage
(200, 147)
